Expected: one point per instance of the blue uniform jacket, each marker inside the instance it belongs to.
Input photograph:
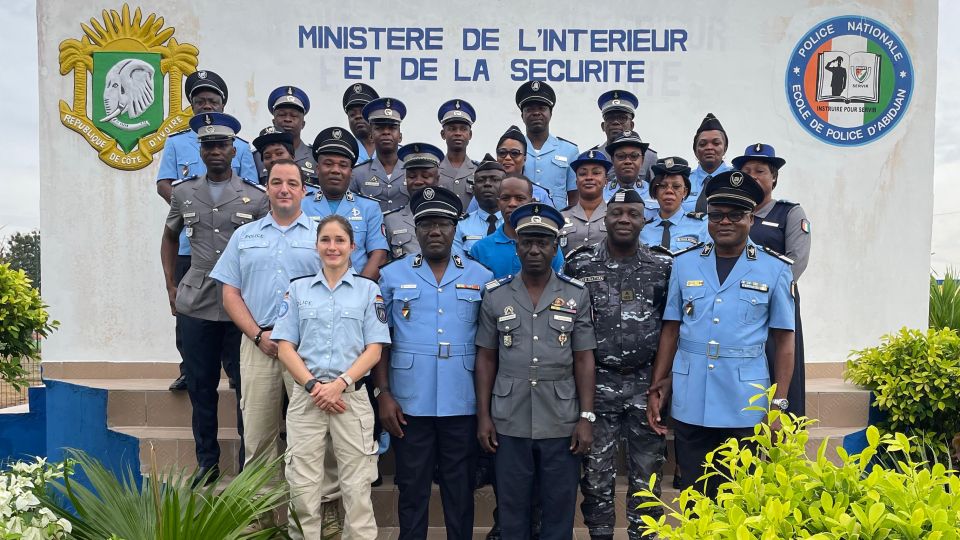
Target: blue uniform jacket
(686, 231)
(498, 252)
(698, 178)
(550, 167)
(365, 216)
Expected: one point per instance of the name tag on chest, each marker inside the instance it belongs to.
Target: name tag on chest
(754, 286)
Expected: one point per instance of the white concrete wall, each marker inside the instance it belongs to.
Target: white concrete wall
(870, 205)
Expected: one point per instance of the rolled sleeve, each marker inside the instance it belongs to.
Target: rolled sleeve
(374, 329)
(672, 310)
(287, 327)
(168, 163)
(487, 336)
(782, 307)
(584, 338)
(227, 269)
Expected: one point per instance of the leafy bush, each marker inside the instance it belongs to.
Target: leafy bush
(22, 515)
(166, 506)
(771, 490)
(23, 319)
(945, 302)
(915, 376)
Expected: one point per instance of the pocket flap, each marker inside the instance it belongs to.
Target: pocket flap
(193, 278)
(502, 386)
(565, 389)
(681, 364)
(406, 295)
(561, 322)
(399, 360)
(468, 295)
(506, 323)
(309, 313)
(469, 361)
(248, 243)
(351, 313)
(755, 371)
(754, 297)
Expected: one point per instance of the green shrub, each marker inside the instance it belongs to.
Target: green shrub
(945, 301)
(23, 319)
(775, 491)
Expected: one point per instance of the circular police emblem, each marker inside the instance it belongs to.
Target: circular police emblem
(202, 74)
(535, 86)
(209, 129)
(284, 309)
(849, 81)
(668, 162)
(270, 130)
(536, 219)
(357, 88)
(615, 102)
(736, 179)
(337, 134)
(428, 194)
(388, 112)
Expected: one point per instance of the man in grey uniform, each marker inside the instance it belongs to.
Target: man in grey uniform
(456, 128)
(381, 177)
(535, 380)
(208, 208)
(420, 162)
(289, 105)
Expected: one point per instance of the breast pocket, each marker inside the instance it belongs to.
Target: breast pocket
(398, 240)
(405, 305)
(253, 253)
(561, 326)
(567, 235)
(694, 304)
(351, 321)
(305, 259)
(240, 218)
(468, 304)
(753, 306)
(359, 235)
(373, 187)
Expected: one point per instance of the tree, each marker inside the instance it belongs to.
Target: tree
(22, 252)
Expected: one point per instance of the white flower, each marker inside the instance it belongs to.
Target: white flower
(25, 501)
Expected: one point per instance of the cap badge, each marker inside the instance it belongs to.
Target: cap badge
(615, 102)
(592, 152)
(428, 194)
(209, 130)
(457, 104)
(758, 148)
(207, 120)
(289, 99)
(290, 90)
(668, 162)
(269, 130)
(536, 219)
(619, 197)
(202, 74)
(535, 86)
(388, 112)
(387, 103)
(308, 165)
(458, 113)
(337, 133)
(736, 179)
(616, 94)
(416, 148)
(357, 89)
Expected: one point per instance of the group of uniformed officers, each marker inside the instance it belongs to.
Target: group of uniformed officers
(536, 312)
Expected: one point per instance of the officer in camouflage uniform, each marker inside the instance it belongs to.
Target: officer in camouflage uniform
(628, 289)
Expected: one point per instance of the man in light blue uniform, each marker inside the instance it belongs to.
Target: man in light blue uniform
(671, 228)
(335, 150)
(382, 177)
(548, 156)
(427, 400)
(722, 302)
(709, 145)
(206, 92)
(354, 99)
(256, 268)
(627, 153)
(498, 252)
(483, 221)
(618, 109)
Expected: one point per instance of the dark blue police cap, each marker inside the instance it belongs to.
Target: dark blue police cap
(289, 96)
(271, 135)
(672, 165)
(205, 80)
(535, 92)
(734, 188)
(537, 218)
(214, 126)
(759, 152)
(336, 140)
(358, 94)
(384, 110)
(420, 155)
(618, 100)
(591, 156)
(627, 138)
(456, 110)
(625, 196)
(435, 202)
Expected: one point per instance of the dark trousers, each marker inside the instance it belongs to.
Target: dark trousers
(797, 393)
(204, 344)
(692, 444)
(521, 463)
(180, 270)
(447, 445)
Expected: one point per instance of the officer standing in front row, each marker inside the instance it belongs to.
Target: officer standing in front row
(723, 300)
(289, 105)
(425, 377)
(628, 288)
(420, 169)
(209, 208)
(535, 380)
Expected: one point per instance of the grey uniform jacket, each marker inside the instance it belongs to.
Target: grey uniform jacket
(209, 227)
(401, 235)
(458, 180)
(534, 394)
(578, 230)
(303, 157)
(371, 180)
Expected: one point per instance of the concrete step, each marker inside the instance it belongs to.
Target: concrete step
(173, 447)
(837, 403)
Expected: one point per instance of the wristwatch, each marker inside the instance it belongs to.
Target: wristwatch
(347, 379)
(588, 416)
(256, 340)
(783, 404)
(308, 386)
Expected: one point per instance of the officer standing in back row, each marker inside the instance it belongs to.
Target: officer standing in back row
(355, 98)
(618, 109)
(456, 129)
(289, 105)
(628, 288)
(381, 177)
(548, 156)
(420, 162)
(208, 208)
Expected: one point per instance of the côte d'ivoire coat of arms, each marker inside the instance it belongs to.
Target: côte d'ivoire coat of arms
(122, 115)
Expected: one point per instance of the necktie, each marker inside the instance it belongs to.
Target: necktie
(665, 239)
(491, 224)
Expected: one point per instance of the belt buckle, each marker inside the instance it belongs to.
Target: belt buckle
(713, 349)
(443, 350)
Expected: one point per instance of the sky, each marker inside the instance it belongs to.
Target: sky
(19, 185)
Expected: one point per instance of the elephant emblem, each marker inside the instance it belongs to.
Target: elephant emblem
(128, 89)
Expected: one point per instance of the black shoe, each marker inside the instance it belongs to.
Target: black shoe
(676, 481)
(602, 537)
(494, 533)
(233, 384)
(378, 482)
(179, 384)
(205, 476)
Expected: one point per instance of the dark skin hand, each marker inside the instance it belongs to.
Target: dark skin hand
(660, 382)
(391, 414)
(584, 374)
(485, 371)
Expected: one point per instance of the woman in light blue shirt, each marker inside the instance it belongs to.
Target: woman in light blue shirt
(330, 331)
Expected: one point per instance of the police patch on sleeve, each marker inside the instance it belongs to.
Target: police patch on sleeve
(381, 309)
(284, 309)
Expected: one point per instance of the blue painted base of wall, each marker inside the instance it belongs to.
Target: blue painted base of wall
(65, 415)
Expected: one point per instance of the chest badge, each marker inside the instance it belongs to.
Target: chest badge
(562, 338)
(688, 308)
(508, 310)
(508, 340)
(405, 310)
(245, 200)
(558, 301)
(627, 295)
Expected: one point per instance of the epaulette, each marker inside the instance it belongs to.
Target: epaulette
(241, 139)
(664, 251)
(648, 221)
(780, 256)
(362, 163)
(475, 162)
(707, 248)
(566, 141)
(491, 285)
(594, 147)
(541, 187)
(388, 212)
(255, 184)
(388, 263)
(568, 208)
(311, 184)
(362, 196)
(364, 277)
(582, 248)
(697, 215)
(788, 203)
(474, 259)
(686, 249)
(182, 180)
(181, 132)
(302, 277)
(650, 149)
(571, 280)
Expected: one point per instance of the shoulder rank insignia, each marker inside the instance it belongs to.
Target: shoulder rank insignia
(661, 250)
(181, 132)
(491, 285)
(751, 252)
(706, 250)
(583, 248)
(365, 162)
(255, 185)
(418, 261)
(388, 212)
(573, 281)
(458, 261)
(187, 179)
(780, 256)
(697, 215)
(648, 221)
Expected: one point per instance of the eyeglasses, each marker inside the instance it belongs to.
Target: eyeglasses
(503, 152)
(735, 216)
(623, 156)
(442, 226)
(676, 188)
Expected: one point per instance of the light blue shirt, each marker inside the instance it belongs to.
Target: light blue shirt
(473, 228)
(685, 231)
(181, 159)
(498, 252)
(723, 330)
(331, 327)
(262, 257)
(365, 216)
(651, 207)
(550, 167)
(434, 328)
(539, 195)
(362, 154)
(698, 178)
